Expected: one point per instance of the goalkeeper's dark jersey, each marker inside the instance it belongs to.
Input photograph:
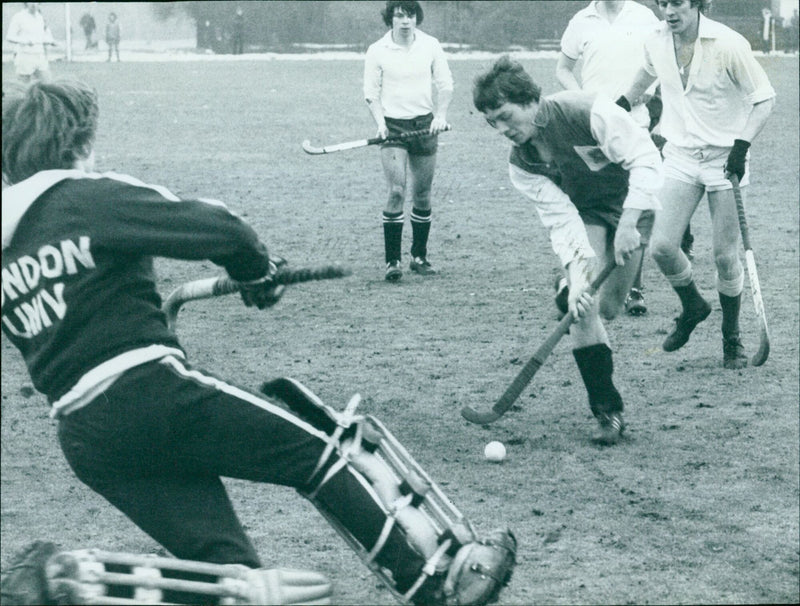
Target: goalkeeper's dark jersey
(78, 285)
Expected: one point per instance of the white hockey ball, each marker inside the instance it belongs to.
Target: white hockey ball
(494, 451)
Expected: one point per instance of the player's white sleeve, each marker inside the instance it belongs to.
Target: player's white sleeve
(558, 215)
(747, 72)
(442, 77)
(626, 143)
(372, 76)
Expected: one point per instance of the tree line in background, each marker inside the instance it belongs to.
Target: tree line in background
(481, 24)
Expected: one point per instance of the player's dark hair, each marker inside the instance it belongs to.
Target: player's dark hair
(47, 126)
(506, 82)
(408, 7)
(703, 5)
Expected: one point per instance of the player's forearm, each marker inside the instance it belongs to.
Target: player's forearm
(443, 99)
(638, 87)
(375, 109)
(757, 119)
(565, 73)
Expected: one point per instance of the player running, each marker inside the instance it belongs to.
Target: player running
(592, 173)
(400, 71)
(717, 98)
(150, 432)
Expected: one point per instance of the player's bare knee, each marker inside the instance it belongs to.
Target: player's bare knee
(397, 195)
(662, 250)
(728, 264)
(610, 308)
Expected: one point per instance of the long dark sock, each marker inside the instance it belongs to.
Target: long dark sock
(421, 227)
(730, 314)
(393, 235)
(691, 299)
(597, 366)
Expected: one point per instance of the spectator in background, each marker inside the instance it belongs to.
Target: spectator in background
(205, 34)
(30, 35)
(238, 31)
(113, 35)
(766, 28)
(794, 33)
(89, 27)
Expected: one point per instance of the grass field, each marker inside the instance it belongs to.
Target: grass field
(698, 505)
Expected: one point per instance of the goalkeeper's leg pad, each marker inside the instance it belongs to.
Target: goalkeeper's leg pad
(393, 515)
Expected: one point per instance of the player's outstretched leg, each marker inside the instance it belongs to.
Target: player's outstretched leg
(393, 515)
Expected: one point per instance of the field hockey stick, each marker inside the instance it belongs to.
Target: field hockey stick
(337, 147)
(755, 287)
(223, 285)
(525, 375)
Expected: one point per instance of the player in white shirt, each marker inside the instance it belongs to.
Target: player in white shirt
(607, 36)
(606, 41)
(717, 99)
(30, 35)
(400, 71)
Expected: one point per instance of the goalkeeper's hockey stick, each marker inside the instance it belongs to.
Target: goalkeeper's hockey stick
(755, 287)
(525, 375)
(223, 285)
(337, 147)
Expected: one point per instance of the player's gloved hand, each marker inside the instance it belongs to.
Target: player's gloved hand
(579, 276)
(624, 103)
(263, 293)
(737, 158)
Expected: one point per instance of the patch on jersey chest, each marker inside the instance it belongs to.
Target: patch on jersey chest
(592, 156)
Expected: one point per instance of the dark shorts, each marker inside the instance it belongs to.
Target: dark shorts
(609, 217)
(156, 443)
(416, 146)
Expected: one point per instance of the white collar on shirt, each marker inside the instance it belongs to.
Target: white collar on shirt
(18, 197)
(387, 41)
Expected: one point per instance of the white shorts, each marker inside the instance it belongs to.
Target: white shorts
(702, 166)
(28, 63)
